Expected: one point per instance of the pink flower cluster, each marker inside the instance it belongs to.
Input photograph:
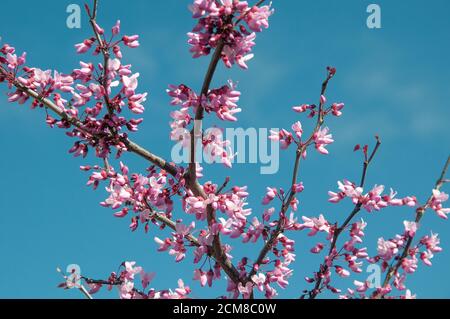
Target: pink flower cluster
(221, 101)
(373, 200)
(390, 250)
(321, 137)
(436, 203)
(136, 193)
(100, 124)
(215, 23)
(350, 254)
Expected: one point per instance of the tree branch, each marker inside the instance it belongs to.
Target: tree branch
(300, 150)
(419, 214)
(131, 146)
(338, 231)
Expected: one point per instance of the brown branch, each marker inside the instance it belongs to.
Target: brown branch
(116, 282)
(192, 183)
(300, 150)
(338, 231)
(131, 146)
(419, 214)
(221, 188)
(171, 224)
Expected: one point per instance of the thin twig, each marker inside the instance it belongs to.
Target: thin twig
(221, 188)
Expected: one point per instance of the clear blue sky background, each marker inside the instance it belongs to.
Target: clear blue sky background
(394, 82)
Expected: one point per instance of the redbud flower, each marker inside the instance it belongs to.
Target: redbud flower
(301, 108)
(84, 46)
(297, 128)
(116, 28)
(336, 109)
(131, 41)
(410, 228)
(386, 249)
(318, 248)
(321, 139)
(342, 272)
(436, 203)
(270, 195)
(201, 276)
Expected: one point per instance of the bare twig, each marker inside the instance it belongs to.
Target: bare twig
(221, 188)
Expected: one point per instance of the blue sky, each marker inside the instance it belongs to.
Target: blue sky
(394, 82)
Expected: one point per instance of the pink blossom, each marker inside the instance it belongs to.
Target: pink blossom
(361, 286)
(201, 276)
(146, 278)
(223, 101)
(342, 272)
(336, 109)
(84, 46)
(410, 228)
(315, 225)
(409, 265)
(130, 83)
(116, 28)
(126, 290)
(246, 290)
(318, 248)
(284, 137)
(254, 232)
(131, 269)
(163, 244)
(182, 290)
(259, 280)
(268, 213)
(436, 203)
(216, 148)
(302, 108)
(201, 7)
(298, 188)
(258, 17)
(297, 128)
(321, 139)
(426, 257)
(431, 242)
(131, 41)
(386, 249)
(239, 52)
(271, 193)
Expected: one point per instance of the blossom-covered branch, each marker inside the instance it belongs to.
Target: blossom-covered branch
(323, 273)
(434, 202)
(97, 105)
(294, 187)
